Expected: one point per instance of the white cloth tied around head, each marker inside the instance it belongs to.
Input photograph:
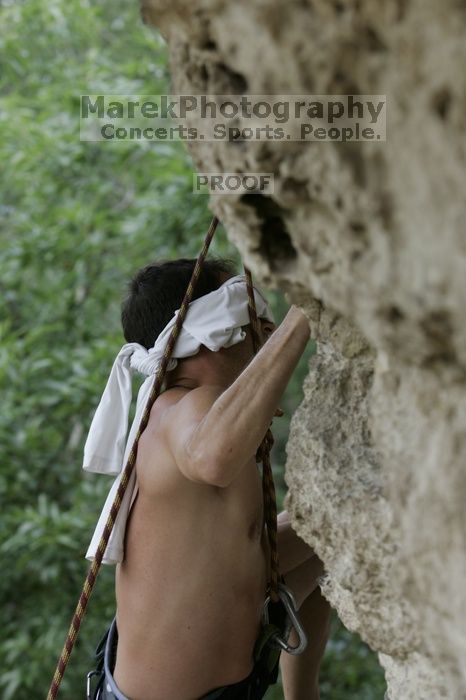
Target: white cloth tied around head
(214, 320)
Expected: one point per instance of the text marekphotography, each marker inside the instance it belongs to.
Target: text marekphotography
(233, 117)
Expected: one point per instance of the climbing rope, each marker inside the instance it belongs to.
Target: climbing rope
(263, 453)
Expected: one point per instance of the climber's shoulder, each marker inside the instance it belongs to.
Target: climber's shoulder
(184, 408)
(180, 402)
(174, 418)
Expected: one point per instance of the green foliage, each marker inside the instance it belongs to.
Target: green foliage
(77, 220)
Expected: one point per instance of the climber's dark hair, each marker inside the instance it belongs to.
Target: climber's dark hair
(157, 290)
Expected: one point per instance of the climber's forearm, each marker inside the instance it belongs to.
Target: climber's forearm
(235, 425)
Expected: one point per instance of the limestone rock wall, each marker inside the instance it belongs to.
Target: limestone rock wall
(370, 239)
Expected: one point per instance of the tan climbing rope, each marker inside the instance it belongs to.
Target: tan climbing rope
(263, 453)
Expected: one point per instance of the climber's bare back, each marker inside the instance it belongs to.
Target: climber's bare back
(191, 588)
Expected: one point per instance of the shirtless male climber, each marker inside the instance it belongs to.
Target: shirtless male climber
(191, 586)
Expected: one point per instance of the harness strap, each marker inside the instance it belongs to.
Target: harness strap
(264, 649)
(269, 491)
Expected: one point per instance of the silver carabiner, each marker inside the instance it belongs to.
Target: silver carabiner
(287, 598)
(89, 684)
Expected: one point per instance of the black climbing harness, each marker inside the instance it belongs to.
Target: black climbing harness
(278, 618)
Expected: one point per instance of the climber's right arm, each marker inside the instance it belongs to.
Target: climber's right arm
(212, 432)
